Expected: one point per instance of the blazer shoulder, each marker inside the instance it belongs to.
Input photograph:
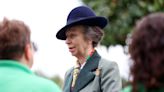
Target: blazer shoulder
(110, 76)
(107, 64)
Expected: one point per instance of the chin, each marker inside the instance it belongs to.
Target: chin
(73, 54)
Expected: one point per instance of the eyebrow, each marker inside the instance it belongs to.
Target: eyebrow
(68, 32)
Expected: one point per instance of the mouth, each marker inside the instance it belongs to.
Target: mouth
(71, 49)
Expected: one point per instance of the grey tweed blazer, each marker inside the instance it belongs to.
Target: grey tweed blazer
(88, 81)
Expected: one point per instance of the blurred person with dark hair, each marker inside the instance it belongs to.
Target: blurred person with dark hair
(16, 57)
(92, 73)
(146, 48)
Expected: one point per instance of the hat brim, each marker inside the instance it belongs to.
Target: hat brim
(90, 21)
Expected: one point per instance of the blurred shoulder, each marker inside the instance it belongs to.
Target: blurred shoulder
(44, 84)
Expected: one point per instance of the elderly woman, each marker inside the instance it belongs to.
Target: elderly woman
(146, 48)
(92, 73)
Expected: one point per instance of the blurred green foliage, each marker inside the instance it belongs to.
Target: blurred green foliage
(122, 15)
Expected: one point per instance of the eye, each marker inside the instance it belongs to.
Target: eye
(72, 35)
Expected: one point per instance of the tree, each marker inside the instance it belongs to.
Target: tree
(122, 15)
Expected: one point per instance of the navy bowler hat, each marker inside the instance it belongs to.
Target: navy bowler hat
(81, 15)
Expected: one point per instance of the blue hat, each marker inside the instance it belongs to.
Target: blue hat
(81, 15)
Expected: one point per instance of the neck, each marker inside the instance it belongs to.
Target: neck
(84, 57)
(25, 62)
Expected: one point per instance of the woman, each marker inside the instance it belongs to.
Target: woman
(147, 52)
(92, 73)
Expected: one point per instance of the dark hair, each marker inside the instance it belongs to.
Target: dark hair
(147, 52)
(93, 33)
(14, 35)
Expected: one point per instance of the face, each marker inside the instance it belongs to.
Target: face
(77, 45)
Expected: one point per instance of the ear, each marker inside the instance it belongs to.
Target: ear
(90, 41)
(28, 53)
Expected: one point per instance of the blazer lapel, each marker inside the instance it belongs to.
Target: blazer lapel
(68, 81)
(86, 74)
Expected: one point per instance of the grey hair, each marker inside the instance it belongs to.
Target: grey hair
(93, 33)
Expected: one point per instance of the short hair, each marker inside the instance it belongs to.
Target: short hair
(147, 52)
(93, 33)
(14, 35)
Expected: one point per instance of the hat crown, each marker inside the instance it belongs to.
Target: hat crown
(80, 12)
(81, 15)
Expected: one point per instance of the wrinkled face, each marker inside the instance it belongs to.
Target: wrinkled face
(77, 45)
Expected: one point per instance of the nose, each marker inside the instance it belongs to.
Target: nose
(67, 41)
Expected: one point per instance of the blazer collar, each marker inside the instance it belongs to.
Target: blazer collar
(86, 74)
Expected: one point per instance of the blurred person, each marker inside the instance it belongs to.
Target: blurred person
(146, 48)
(16, 57)
(92, 73)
